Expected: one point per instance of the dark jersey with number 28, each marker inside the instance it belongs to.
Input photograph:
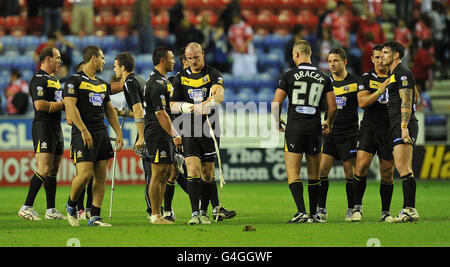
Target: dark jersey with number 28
(305, 86)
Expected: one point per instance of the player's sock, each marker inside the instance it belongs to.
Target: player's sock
(168, 196)
(349, 191)
(359, 187)
(89, 195)
(80, 202)
(205, 192)
(181, 180)
(50, 191)
(35, 184)
(214, 195)
(409, 190)
(313, 192)
(193, 186)
(71, 203)
(95, 211)
(296, 188)
(386, 190)
(323, 192)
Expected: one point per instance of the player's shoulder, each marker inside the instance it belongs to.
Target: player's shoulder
(402, 70)
(40, 75)
(352, 78)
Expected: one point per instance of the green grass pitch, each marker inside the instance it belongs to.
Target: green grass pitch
(265, 206)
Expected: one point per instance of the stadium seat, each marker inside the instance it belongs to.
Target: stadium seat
(16, 25)
(265, 95)
(73, 39)
(274, 41)
(143, 62)
(24, 63)
(5, 63)
(161, 20)
(10, 43)
(249, 4)
(267, 81)
(109, 42)
(162, 4)
(259, 41)
(244, 95)
(28, 43)
(89, 40)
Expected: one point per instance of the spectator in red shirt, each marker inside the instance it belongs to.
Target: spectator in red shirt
(15, 86)
(339, 22)
(423, 62)
(366, 50)
(403, 35)
(372, 26)
(240, 36)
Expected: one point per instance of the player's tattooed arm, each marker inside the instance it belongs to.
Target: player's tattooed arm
(406, 95)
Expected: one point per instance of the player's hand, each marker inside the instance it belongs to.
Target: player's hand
(87, 138)
(140, 143)
(326, 128)
(178, 143)
(200, 109)
(281, 125)
(119, 142)
(383, 85)
(405, 136)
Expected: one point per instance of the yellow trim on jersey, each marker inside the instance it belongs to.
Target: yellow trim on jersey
(392, 79)
(195, 82)
(38, 150)
(285, 146)
(95, 88)
(157, 156)
(374, 84)
(54, 84)
(353, 87)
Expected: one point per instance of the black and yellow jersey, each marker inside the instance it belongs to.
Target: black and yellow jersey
(400, 78)
(158, 90)
(346, 123)
(375, 115)
(44, 86)
(305, 87)
(195, 88)
(92, 96)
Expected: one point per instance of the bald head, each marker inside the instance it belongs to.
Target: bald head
(195, 56)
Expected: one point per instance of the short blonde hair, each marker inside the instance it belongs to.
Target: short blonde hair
(303, 47)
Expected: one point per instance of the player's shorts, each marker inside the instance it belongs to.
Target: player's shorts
(201, 147)
(160, 151)
(396, 132)
(47, 138)
(308, 144)
(376, 141)
(341, 148)
(101, 148)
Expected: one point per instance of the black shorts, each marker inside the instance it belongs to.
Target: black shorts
(161, 150)
(47, 138)
(341, 148)
(101, 148)
(201, 147)
(308, 144)
(396, 132)
(376, 141)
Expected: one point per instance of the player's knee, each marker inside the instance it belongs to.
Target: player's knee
(45, 170)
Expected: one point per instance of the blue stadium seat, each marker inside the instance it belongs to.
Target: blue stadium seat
(265, 95)
(108, 43)
(89, 40)
(5, 63)
(75, 40)
(230, 95)
(24, 63)
(29, 43)
(266, 80)
(275, 41)
(27, 75)
(10, 43)
(109, 61)
(143, 61)
(244, 94)
(258, 41)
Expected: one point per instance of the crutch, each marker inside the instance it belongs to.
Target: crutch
(114, 171)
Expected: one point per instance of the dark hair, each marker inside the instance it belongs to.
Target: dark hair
(16, 72)
(396, 47)
(46, 52)
(377, 48)
(78, 68)
(183, 53)
(91, 51)
(159, 53)
(339, 51)
(126, 59)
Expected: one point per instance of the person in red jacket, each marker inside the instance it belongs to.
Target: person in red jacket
(423, 62)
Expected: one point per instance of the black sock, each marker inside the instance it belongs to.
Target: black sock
(95, 211)
(182, 181)
(349, 191)
(89, 195)
(50, 191)
(323, 192)
(193, 186)
(386, 190)
(359, 187)
(409, 190)
(35, 184)
(168, 196)
(313, 193)
(205, 192)
(71, 203)
(214, 195)
(296, 188)
(80, 202)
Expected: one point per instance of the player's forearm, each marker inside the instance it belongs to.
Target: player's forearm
(138, 113)
(276, 111)
(406, 96)
(165, 122)
(116, 87)
(332, 114)
(112, 118)
(48, 106)
(73, 113)
(367, 100)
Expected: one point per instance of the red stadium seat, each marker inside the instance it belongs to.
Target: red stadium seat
(161, 20)
(221, 4)
(162, 4)
(249, 4)
(16, 25)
